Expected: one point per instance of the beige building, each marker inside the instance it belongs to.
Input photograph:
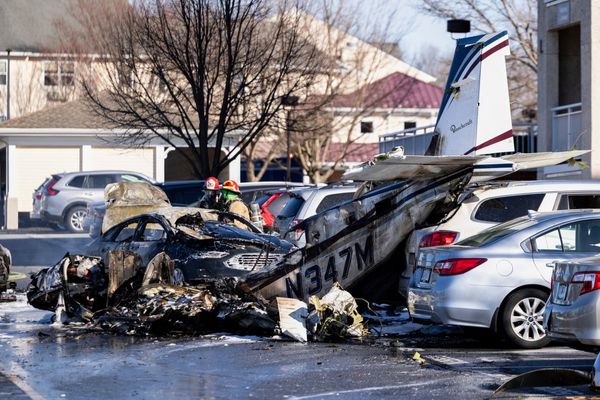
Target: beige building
(568, 91)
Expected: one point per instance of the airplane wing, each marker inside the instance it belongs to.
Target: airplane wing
(538, 160)
(411, 167)
(428, 167)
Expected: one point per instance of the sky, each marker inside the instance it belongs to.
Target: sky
(415, 29)
(426, 31)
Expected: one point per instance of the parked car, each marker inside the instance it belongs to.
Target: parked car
(573, 309)
(38, 195)
(200, 246)
(304, 203)
(185, 194)
(500, 278)
(273, 203)
(483, 206)
(64, 197)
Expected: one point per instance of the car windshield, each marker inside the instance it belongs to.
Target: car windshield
(497, 232)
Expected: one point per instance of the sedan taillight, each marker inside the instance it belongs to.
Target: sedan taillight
(438, 238)
(590, 281)
(456, 266)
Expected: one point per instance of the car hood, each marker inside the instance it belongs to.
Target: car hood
(226, 231)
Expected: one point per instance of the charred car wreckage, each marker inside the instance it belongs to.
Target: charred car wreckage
(161, 268)
(170, 270)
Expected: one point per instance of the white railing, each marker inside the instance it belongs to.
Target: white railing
(566, 126)
(416, 140)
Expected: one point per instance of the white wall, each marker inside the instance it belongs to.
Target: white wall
(29, 166)
(34, 164)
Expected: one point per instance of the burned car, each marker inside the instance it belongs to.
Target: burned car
(200, 246)
(136, 277)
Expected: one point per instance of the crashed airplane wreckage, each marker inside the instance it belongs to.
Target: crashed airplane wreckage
(353, 245)
(350, 243)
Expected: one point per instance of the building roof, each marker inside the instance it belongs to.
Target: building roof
(30, 25)
(396, 90)
(74, 114)
(357, 152)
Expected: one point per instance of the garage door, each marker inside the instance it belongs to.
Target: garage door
(137, 160)
(34, 164)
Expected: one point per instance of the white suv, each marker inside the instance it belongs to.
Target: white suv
(489, 204)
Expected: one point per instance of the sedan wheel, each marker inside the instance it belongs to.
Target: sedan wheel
(522, 318)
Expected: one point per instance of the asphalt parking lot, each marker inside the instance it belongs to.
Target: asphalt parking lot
(47, 361)
(42, 360)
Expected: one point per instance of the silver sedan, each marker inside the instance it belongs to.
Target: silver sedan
(573, 311)
(500, 278)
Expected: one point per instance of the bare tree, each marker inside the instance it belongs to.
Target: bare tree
(429, 59)
(519, 18)
(192, 72)
(266, 148)
(348, 65)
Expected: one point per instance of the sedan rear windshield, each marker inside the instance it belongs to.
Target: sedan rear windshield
(497, 232)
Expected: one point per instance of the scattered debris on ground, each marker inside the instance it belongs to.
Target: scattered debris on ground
(8, 296)
(333, 317)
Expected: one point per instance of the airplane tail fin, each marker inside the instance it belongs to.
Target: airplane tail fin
(474, 117)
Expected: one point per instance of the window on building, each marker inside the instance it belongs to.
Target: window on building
(569, 65)
(3, 73)
(410, 124)
(366, 127)
(59, 73)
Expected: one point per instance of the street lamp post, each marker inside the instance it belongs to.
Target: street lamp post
(289, 101)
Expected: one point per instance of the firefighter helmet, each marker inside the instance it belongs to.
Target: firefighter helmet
(231, 185)
(211, 183)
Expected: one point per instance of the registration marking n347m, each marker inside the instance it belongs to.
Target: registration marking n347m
(325, 270)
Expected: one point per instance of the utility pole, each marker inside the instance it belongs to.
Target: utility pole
(289, 102)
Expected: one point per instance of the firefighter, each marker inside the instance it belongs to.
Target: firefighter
(233, 203)
(212, 198)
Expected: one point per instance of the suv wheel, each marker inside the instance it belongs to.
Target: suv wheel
(522, 318)
(74, 219)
